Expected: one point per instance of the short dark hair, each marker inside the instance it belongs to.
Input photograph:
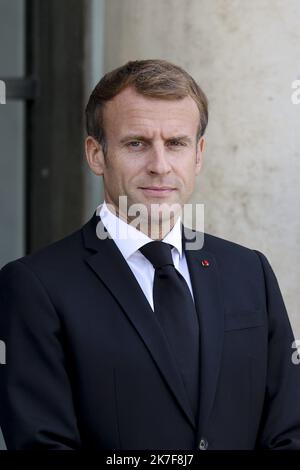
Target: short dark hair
(153, 78)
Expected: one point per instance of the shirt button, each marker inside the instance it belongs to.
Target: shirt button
(203, 444)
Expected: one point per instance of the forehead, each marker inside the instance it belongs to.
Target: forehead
(132, 111)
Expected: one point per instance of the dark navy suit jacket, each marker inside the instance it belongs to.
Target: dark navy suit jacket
(87, 365)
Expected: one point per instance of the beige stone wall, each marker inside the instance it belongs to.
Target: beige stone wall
(245, 55)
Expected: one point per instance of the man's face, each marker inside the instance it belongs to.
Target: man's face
(152, 154)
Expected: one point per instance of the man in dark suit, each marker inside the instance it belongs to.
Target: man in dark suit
(124, 337)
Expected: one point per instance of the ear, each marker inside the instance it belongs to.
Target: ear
(199, 154)
(94, 155)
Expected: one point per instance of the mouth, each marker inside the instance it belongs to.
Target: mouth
(157, 191)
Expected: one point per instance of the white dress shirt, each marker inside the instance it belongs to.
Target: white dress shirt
(129, 240)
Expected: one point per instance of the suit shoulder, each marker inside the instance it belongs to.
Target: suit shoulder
(55, 254)
(234, 254)
(213, 242)
(226, 250)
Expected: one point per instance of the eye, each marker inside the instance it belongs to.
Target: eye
(176, 143)
(134, 143)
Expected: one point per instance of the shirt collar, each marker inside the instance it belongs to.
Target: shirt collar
(128, 239)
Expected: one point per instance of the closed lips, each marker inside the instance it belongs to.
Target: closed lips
(155, 188)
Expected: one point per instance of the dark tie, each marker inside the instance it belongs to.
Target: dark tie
(175, 309)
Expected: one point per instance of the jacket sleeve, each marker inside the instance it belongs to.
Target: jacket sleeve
(280, 422)
(36, 405)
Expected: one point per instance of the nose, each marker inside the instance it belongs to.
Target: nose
(158, 162)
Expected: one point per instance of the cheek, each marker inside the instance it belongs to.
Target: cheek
(187, 172)
(128, 178)
(115, 169)
(132, 172)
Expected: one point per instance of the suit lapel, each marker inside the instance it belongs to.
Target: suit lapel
(109, 265)
(207, 294)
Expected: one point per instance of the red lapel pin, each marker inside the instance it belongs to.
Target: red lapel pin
(205, 263)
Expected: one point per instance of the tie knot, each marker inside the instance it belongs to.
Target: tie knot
(158, 253)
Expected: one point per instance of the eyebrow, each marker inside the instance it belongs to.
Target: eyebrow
(146, 139)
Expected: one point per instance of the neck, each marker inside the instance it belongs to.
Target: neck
(155, 228)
